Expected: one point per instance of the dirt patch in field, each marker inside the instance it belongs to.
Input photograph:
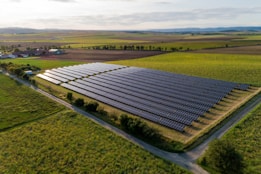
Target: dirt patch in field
(250, 50)
(100, 55)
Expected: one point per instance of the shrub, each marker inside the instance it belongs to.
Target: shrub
(102, 111)
(69, 96)
(92, 106)
(124, 119)
(114, 116)
(79, 102)
(137, 127)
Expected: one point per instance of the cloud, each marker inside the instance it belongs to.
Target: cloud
(199, 14)
(197, 18)
(164, 3)
(15, 0)
(65, 1)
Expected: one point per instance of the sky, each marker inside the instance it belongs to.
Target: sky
(129, 14)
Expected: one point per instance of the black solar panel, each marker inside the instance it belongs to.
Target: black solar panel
(168, 99)
(49, 79)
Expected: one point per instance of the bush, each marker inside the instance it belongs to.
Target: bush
(223, 157)
(91, 106)
(124, 119)
(137, 127)
(114, 116)
(33, 82)
(79, 102)
(102, 111)
(69, 96)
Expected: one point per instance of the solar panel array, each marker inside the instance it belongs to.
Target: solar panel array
(171, 100)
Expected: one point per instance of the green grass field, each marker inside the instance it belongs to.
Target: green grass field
(235, 68)
(43, 64)
(62, 141)
(19, 105)
(70, 143)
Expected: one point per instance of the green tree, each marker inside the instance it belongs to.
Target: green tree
(223, 157)
(18, 72)
(79, 102)
(91, 106)
(124, 119)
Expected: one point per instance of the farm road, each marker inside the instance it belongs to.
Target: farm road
(186, 159)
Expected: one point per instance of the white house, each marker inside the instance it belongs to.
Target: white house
(56, 51)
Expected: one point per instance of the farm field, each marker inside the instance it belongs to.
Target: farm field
(154, 40)
(234, 68)
(69, 143)
(244, 50)
(195, 44)
(83, 55)
(19, 105)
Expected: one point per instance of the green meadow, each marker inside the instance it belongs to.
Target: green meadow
(234, 68)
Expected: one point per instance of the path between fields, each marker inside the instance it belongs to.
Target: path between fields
(186, 160)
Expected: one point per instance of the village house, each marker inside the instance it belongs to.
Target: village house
(56, 52)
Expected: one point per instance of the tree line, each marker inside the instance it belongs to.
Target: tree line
(137, 48)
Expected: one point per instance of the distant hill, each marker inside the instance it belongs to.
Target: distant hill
(210, 30)
(15, 30)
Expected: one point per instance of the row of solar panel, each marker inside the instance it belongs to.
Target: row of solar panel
(71, 73)
(143, 104)
(165, 75)
(165, 92)
(177, 77)
(146, 95)
(170, 82)
(149, 116)
(208, 93)
(96, 67)
(135, 102)
(79, 71)
(157, 95)
(149, 91)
